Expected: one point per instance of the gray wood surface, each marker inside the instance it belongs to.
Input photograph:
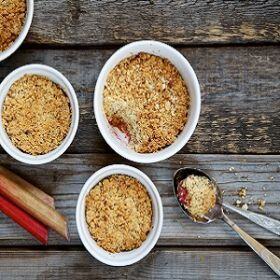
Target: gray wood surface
(240, 95)
(95, 22)
(65, 177)
(160, 264)
(233, 47)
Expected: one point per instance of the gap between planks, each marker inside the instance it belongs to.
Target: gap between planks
(159, 264)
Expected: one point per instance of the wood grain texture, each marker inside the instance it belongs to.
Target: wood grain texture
(240, 95)
(65, 177)
(95, 22)
(159, 264)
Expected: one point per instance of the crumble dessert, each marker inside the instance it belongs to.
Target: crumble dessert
(119, 213)
(12, 16)
(242, 192)
(147, 100)
(36, 114)
(261, 204)
(198, 195)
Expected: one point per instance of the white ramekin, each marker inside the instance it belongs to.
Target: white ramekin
(185, 69)
(123, 258)
(15, 45)
(56, 77)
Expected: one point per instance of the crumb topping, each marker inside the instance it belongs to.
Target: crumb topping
(148, 96)
(261, 204)
(12, 16)
(119, 213)
(36, 114)
(242, 192)
(200, 196)
(244, 206)
(238, 202)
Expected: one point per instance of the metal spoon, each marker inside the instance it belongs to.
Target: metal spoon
(262, 220)
(217, 213)
(268, 223)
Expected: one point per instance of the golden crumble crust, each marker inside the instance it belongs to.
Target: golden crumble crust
(119, 213)
(201, 195)
(147, 94)
(36, 114)
(12, 16)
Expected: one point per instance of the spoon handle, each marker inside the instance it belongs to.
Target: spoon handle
(272, 260)
(262, 220)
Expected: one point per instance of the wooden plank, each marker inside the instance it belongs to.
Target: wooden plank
(240, 101)
(95, 22)
(65, 177)
(159, 264)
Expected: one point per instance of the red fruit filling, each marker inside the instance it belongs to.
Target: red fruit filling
(182, 195)
(121, 125)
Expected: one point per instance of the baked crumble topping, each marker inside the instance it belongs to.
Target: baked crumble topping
(12, 16)
(198, 195)
(119, 213)
(36, 114)
(148, 99)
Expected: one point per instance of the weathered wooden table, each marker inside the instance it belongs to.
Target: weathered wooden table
(234, 49)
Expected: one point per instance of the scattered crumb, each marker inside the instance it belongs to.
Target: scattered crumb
(261, 204)
(244, 206)
(242, 192)
(271, 178)
(231, 169)
(238, 202)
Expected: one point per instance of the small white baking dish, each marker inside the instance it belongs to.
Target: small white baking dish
(188, 74)
(56, 77)
(123, 258)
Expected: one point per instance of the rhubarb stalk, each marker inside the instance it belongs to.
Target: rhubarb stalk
(34, 206)
(27, 186)
(38, 230)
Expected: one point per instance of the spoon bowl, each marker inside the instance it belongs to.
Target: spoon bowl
(216, 212)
